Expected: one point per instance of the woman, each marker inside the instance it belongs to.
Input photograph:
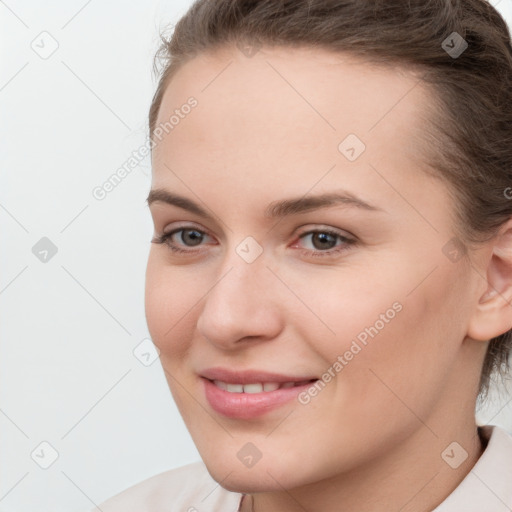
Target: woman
(330, 278)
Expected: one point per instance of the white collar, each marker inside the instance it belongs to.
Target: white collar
(488, 486)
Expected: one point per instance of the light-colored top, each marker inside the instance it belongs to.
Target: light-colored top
(486, 488)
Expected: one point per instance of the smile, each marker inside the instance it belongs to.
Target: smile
(251, 400)
(257, 387)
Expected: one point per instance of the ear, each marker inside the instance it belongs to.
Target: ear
(493, 312)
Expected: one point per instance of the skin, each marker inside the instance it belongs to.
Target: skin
(266, 129)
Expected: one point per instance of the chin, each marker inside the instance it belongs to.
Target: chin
(262, 477)
(247, 482)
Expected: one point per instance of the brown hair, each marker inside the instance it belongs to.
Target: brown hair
(470, 132)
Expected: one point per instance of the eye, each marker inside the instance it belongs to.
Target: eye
(324, 242)
(188, 236)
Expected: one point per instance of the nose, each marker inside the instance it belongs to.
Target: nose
(243, 304)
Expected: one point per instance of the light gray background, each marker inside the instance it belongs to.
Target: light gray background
(69, 326)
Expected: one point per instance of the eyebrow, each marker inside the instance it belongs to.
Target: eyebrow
(276, 209)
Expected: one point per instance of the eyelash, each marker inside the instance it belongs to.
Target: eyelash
(165, 239)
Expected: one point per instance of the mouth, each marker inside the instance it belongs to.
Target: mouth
(250, 400)
(258, 387)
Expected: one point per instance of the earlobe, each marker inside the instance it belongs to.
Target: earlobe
(492, 315)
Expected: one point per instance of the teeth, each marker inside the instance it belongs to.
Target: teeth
(254, 388)
(235, 388)
(220, 384)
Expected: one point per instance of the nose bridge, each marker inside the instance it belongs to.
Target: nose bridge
(240, 283)
(239, 302)
(243, 273)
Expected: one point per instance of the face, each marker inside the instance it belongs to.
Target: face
(346, 307)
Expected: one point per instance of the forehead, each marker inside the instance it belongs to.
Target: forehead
(285, 109)
(292, 91)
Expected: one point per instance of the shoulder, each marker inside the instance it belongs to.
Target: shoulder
(188, 488)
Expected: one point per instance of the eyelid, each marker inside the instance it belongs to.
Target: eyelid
(183, 225)
(324, 227)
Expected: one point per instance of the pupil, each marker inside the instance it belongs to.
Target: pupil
(195, 239)
(323, 237)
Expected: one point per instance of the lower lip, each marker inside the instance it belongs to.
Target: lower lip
(248, 405)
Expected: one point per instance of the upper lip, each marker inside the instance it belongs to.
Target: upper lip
(250, 376)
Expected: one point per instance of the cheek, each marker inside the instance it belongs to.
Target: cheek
(169, 306)
(394, 336)
(170, 322)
